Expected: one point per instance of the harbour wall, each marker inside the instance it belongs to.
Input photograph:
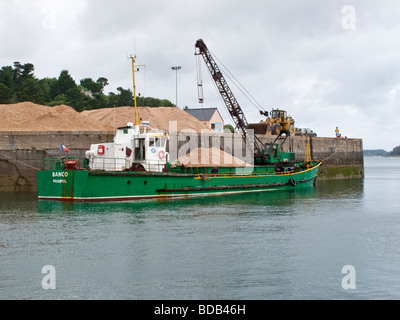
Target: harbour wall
(21, 153)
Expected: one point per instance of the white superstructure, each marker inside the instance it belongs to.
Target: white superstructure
(132, 149)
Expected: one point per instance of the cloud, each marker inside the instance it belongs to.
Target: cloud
(298, 55)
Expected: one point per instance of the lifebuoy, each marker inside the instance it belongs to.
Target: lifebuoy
(292, 182)
(161, 154)
(100, 149)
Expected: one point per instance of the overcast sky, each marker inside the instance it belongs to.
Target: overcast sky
(327, 62)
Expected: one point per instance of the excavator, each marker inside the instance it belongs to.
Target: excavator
(279, 122)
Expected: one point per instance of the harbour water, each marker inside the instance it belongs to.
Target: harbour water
(258, 246)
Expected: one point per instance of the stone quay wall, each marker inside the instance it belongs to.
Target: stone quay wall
(22, 152)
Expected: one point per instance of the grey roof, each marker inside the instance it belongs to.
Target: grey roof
(202, 114)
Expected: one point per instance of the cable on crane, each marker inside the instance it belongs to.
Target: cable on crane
(242, 89)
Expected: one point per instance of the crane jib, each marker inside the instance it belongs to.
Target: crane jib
(229, 99)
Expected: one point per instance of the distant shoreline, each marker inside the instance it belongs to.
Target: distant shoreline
(382, 156)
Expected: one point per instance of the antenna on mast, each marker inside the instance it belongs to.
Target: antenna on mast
(134, 69)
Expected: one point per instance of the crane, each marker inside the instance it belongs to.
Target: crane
(229, 99)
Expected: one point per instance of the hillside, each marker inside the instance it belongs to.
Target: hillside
(377, 152)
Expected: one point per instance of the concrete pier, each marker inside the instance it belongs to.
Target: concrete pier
(342, 157)
(21, 153)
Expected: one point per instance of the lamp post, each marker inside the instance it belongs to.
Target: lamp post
(176, 68)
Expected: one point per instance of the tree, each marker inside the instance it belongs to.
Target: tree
(5, 94)
(165, 103)
(396, 151)
(65, 82)
(93, 87)
(58, 100)
(112, 100)
(22, 73)
(153, 102)
(6, 77)
(31, 90)
(103, 82)
(100, 101)
(76, 99)
(125, 97)
(17, 71)
(18, 83)
(14, 78)
(49, 87)
(229, 128)
(27, 71)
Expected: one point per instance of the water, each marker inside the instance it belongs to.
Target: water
(264, 245)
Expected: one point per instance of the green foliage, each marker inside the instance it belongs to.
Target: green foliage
(31, 90)
(229, 128)
(5, 94)
(396, 151)
(90, 85)
(65, 82)
(18, 83)
(58, 100)
(153, 102)
(375, 152)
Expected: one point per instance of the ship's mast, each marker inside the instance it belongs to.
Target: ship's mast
(134, 85)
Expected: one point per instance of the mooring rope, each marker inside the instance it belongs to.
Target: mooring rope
(341, 148)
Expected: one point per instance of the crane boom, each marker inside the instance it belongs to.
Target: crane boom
(230, 101)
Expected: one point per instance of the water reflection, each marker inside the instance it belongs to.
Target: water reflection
(341, 189)
(19, 204)
(266, 198)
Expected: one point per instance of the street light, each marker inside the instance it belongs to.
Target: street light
(176, 68)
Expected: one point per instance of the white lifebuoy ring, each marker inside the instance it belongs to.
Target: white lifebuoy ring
(161, 154)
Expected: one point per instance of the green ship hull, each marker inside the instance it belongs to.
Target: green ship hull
(94, 185)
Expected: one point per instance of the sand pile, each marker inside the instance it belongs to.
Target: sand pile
(206, 157)
(159, 117)
(28, 116)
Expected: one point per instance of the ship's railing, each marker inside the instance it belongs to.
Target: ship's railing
(64, 163)
(251, 173)
(108, 164)
(151, 165)
(122, 164)
(101, 164)
(248, 174)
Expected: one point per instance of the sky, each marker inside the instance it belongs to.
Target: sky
(329, 63)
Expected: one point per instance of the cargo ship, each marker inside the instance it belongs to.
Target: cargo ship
(136, 164)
